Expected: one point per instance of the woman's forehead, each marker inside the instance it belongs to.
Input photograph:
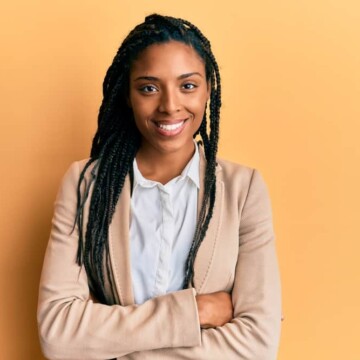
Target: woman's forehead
(174, 57)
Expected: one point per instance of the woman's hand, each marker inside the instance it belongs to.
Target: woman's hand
(214, 309)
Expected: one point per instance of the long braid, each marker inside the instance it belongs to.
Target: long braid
(117, 140)
(210, 147)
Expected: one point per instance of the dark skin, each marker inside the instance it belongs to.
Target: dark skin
(214, 309)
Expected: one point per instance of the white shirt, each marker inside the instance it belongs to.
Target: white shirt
(163, 221)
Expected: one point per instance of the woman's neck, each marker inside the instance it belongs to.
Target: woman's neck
(162, 167)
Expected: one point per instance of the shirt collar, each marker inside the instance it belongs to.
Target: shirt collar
(191, 171)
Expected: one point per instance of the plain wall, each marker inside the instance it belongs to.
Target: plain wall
(291, 86)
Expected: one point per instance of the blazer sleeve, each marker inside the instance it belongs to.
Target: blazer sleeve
(254, 332)
(72, 326)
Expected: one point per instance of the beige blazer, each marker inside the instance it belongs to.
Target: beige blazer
(237, 255)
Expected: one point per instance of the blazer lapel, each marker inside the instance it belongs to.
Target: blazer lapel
(119, 247)
(208, 246)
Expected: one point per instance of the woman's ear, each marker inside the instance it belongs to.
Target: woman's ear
(128, 102)
(208, 90)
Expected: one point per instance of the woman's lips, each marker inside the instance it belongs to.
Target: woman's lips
(167, 128)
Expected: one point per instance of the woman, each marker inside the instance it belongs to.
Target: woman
(172, 252)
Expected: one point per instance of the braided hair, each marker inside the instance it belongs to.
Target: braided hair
(117, 141)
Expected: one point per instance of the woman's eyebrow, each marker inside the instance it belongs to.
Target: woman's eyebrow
(149, 78)
(154, 78)
(184, 76)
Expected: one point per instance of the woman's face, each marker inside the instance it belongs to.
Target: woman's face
(168, 94)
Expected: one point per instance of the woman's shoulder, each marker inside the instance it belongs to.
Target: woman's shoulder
(76, 168)
(232, 169)
(238, 177)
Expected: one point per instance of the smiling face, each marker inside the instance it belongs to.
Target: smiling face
(168, 91)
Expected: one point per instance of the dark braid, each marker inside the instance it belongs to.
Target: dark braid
(117, 141)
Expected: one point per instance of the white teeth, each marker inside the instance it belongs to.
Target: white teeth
(170, 127)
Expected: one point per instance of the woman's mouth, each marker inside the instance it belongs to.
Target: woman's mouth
(170, 129)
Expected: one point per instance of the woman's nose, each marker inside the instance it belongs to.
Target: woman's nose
(169, 102)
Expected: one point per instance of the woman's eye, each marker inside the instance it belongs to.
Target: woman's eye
(148, 89)
(189, 86)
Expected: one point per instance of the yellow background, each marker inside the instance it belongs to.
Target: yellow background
(291, 79)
